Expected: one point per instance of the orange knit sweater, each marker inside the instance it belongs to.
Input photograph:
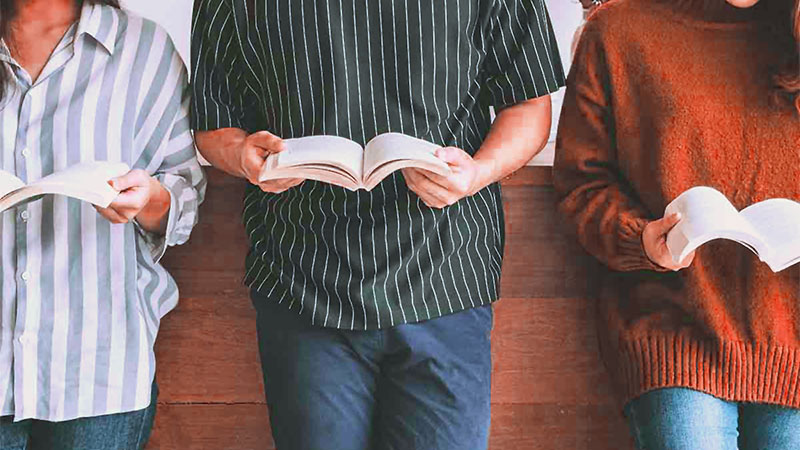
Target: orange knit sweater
(661, 99)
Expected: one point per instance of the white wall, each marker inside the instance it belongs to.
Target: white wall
(566, 16)
(175, 16)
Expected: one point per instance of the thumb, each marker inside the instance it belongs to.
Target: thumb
(125, 182)
(267, 141)
(663, 226)
(453, 156)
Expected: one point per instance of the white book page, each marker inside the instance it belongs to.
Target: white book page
(390, 147)
(9, 183)
(778, 222)
(707, 215)
(85, 181)
(316, 150)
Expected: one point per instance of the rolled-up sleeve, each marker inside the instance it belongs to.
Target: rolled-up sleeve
(169, 154)
(181, 175)
(522, 59)
(221, 96)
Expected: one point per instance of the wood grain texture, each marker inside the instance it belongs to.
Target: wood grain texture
(211, 427)
(549, 388)
(557, 427)
(514, 427)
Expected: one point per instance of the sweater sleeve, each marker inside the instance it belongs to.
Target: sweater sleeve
(596, 200)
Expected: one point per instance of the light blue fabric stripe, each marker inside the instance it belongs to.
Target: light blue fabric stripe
(132, 331)
(74, 337)
(47, 258)
(20, 252)
(103, 232)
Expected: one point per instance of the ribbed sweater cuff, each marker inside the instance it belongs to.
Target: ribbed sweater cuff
(631, 250)
(733, 371)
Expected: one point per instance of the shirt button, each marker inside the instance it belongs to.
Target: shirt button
(22, 339)
(25, 152)
(24, 215)
(26, 276)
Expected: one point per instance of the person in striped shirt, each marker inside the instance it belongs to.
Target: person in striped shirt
(374, 308)
(81, 290)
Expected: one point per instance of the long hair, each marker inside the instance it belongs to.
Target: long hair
(788, 80)
(8, 10)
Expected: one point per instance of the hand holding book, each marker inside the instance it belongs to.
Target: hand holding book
(439, 191)
(87, 181)
(257, 148)
(654, 241)
(117, 193)
(140, 197)
(771, 228)
(242, 155)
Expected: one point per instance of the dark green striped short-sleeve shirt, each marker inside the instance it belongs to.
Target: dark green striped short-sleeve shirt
(430, 69)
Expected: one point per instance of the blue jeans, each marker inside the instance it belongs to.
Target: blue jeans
(125, 431)
(415, 386)
(678, 419)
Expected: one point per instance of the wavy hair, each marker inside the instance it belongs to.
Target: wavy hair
(788, 79)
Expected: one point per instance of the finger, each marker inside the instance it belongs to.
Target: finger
(411, 177)
(267, 141)
(426, 198)
(111, 215)
(292, 182)
(253, 164)
(431, 202)
(687, 261)
(438, 179)
(130, 203)
(430, 190)
(129, 199)
(281, 185)
(278, 187)
(663, 226)
(134, 178)
(453, 156)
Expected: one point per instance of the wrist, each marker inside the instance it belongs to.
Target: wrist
(224, 148)
(153, 217)
(486, 174)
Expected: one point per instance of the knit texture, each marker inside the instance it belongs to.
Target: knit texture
(660, 99)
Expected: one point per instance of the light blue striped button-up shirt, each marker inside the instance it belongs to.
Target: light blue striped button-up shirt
(82, 298)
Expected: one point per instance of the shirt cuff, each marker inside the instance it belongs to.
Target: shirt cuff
(156, 242)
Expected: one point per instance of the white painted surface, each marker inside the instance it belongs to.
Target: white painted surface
(174, 15)
(566, 16)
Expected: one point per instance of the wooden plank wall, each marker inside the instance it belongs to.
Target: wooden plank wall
(549, 388)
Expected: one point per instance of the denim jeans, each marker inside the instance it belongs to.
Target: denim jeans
(678, 419)
(414, 386)
(125, 431)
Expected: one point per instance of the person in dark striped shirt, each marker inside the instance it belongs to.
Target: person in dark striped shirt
(374, 308)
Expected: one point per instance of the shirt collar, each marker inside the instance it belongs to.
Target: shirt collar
(100, 22)
(5, 55)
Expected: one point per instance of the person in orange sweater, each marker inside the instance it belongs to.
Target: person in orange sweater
(665, 95)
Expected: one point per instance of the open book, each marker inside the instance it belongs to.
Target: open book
(342, 162)
(84, 181)
(771, 229)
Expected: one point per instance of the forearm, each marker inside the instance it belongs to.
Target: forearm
(153, 217)
(519, 133)
(220, 148)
